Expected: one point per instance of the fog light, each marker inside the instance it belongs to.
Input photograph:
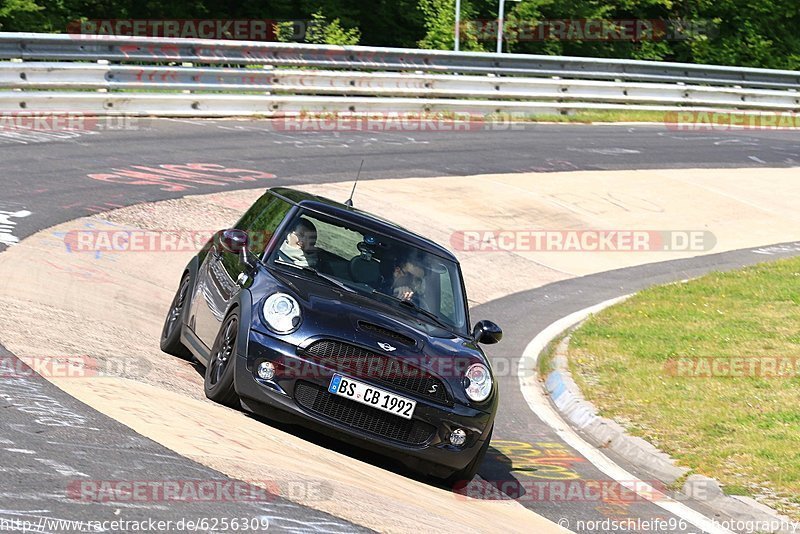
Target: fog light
(458, 437)
(266, 371)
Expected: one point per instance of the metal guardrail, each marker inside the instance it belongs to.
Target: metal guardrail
(184, 77)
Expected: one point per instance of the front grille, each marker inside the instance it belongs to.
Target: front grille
(385, 332)
(394, 372)
(353, 414)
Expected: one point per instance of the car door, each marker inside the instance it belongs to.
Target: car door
(217, 285)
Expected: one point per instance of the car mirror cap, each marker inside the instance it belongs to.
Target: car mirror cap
(233, 240)
(487, 332)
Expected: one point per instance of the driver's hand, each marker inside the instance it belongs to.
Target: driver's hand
(403, 292)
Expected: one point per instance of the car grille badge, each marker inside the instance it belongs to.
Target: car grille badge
(386, 347)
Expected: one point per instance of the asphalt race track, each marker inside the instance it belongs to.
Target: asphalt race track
(48, 178)
(47, 174)
(48, 435)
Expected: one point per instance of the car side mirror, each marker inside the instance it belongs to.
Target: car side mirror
(235, 241)
(487, 332)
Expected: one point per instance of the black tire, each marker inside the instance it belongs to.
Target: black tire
(218, 383)
(463, 476)
(171, 333)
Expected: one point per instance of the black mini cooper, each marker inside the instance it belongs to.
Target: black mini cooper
(312, 311)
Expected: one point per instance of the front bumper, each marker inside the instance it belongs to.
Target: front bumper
(300, 388)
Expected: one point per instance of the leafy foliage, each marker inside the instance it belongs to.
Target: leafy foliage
(759, 33)
(319, 31)
(440, 21)
(18, 15)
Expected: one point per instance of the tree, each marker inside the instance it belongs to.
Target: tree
(20, 15)
(440, 23)
(758, 33)
(320, 31)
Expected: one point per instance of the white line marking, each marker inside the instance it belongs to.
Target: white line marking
(757, 160)
(196, 123)
(540, 405)
(22, 451)
(611, 151)
(7, 225)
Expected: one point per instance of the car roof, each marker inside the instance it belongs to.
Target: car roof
(338, 210)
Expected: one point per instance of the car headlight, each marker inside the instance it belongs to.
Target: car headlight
(478, 383)
(281, 313)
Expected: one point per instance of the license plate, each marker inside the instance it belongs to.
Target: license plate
(372, 396)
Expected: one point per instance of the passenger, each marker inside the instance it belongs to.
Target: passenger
(300, 245)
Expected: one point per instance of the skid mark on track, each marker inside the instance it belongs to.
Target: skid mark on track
(29, 137)
(30, 398)
(338, 140)
(611, 151)
(779, 249)
(60, 468)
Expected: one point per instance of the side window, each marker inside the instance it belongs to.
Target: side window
(447, 302)
(261, 221)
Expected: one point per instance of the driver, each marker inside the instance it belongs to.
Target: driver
(407, 280)
(300, 245)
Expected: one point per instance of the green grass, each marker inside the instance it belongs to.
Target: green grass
(583, 117)
(545, 361)
(743, 431)
(587, 117)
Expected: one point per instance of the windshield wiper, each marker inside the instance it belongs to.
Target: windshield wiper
(308, 269)
(416, 308)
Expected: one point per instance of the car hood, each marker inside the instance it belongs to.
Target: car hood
(333, 313)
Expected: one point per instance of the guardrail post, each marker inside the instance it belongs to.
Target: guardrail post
(105, 63)
(187, 65)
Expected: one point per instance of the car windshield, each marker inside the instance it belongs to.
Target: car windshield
(376, 266)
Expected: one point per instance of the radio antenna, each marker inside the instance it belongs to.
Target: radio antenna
(349, 201)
